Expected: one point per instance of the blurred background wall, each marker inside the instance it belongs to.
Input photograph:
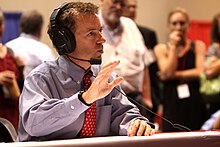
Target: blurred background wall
(151, 13)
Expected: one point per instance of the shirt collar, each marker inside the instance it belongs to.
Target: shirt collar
(75, 71)
(29, 36)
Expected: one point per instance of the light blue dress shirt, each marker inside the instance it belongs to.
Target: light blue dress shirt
(50, 109)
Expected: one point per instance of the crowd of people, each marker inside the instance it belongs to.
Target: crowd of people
(108, 74)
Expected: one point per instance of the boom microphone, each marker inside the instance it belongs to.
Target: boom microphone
(92, 61)
(176, 126)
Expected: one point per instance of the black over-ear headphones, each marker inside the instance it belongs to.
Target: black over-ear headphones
(62, 37)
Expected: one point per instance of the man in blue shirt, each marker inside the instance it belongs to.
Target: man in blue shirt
(54, 102)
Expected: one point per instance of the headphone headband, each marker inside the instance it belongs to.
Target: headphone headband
(56, 13)
(62, 37)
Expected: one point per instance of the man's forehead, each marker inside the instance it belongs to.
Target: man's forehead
(118, 1)
(89, 20)
(86, 17)
(115, 1)
(131, 2)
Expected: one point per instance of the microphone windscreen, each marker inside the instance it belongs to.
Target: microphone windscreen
(95, 61)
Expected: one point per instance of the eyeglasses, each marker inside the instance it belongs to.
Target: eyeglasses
(120, 2)
(130, 7)
(182, 23)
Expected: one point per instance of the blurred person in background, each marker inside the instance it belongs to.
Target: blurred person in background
(28, 45)
(11, 80)
(150, 40)
(124, 42)
(180, 62)
(213, 57)
(213, 53)
(149, 35)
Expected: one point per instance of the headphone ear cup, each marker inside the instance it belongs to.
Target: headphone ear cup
(64, 40)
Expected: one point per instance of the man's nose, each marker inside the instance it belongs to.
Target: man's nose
(101, 38)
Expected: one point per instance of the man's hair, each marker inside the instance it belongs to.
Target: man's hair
(178, 10)
(69, 15)
(215, 29)
(31, 22)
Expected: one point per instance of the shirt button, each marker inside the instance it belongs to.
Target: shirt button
(72, 107)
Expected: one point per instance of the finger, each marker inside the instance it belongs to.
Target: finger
(106, 65)
(134, 128)
(9, 75)
(110, 67)
(7, 81)
(103, 77)
(110, 63)
(148, 131)
(8, 72)
(105, 73)
(152, 132)
(129, 131)
(115, 82)
(142, 128)
(99, 79)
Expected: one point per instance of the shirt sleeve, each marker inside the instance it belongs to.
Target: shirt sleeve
(43, 113)
(149, 57)
(211, 52)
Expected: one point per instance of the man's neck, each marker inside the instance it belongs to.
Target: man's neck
(82, 64)
(112, 25)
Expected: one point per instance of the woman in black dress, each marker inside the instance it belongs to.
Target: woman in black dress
(180, 62)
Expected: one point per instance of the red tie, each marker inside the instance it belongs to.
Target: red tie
(89, 126)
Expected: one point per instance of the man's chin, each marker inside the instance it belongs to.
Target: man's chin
(114, 18)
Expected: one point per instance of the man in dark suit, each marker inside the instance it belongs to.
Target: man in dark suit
(150, 40)
(149, 35)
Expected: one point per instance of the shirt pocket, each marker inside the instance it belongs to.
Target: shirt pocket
(103, 122)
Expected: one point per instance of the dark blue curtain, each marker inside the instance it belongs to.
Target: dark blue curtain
(12, 26)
